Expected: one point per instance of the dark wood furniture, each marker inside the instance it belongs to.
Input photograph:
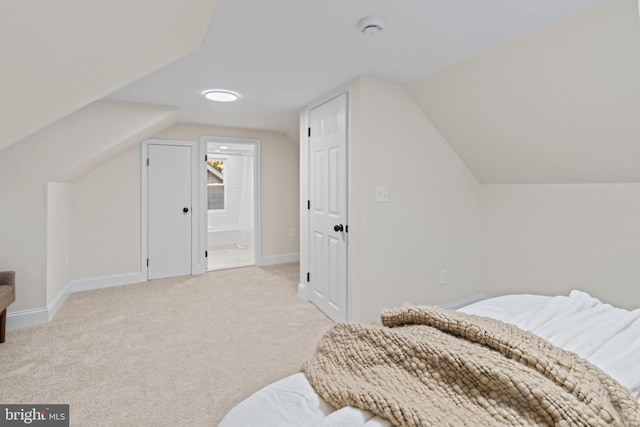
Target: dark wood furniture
(7, 296)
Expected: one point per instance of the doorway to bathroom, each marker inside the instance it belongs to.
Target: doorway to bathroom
(232, 172)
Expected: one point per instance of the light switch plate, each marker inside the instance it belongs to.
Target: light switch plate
(382, 193)
(444, 276)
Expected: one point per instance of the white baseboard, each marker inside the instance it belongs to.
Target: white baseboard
(54, 305)
(39, 316)
(303, 292)
(279, 259)
(454, 305)
(100, 282)
(26, 318)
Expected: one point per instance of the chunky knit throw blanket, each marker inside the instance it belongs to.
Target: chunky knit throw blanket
(430, 367)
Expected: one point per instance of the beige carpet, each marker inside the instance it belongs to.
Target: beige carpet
(170, 352)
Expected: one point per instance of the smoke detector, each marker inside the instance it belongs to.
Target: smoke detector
(371, 26)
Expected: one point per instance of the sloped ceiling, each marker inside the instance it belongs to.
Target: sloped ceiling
(561, 105)
(558, 104)
(282, 54)
(58, 56)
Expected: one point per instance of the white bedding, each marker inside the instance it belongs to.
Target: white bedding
(608, 337)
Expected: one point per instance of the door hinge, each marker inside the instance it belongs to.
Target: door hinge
(308, 205)
(346, 228)
(308, 277)
(206, 157)
(206, 254)
(309, 132)
(147, 161)
(147, 262)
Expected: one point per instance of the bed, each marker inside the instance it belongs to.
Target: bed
(605, 336)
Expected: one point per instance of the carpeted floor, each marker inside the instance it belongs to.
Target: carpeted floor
(170, 352)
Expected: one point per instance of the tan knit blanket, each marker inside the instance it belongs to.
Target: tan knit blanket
(430, 367)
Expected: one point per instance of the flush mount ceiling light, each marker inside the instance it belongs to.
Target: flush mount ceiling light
(221, 95)
(371, 26)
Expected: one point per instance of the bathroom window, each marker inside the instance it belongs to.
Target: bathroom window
(215, 185)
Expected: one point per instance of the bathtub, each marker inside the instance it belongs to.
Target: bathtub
(222, 237)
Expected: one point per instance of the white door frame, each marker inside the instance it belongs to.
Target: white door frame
(303, 289)
(198, 260)
(257, 197)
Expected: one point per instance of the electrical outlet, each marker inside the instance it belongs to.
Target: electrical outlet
(443, 277)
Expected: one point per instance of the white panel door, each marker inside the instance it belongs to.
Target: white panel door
(328, 208)
(169, 210)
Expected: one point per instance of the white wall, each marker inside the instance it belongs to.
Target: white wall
(57, 57)
(106, 203)
(560, 105)
(550, 239)
(59, 220)
(279, 181)
(106, 225)
(432, 220)
(492, 239)
(63, 151)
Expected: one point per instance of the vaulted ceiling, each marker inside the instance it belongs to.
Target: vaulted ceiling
(561, 105)
(281, 54)
(528, 91)
(58, 56)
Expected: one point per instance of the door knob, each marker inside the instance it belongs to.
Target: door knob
(185, 210)
(338, 227)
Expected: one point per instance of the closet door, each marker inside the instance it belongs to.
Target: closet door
(328, 208)
(169, 169)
